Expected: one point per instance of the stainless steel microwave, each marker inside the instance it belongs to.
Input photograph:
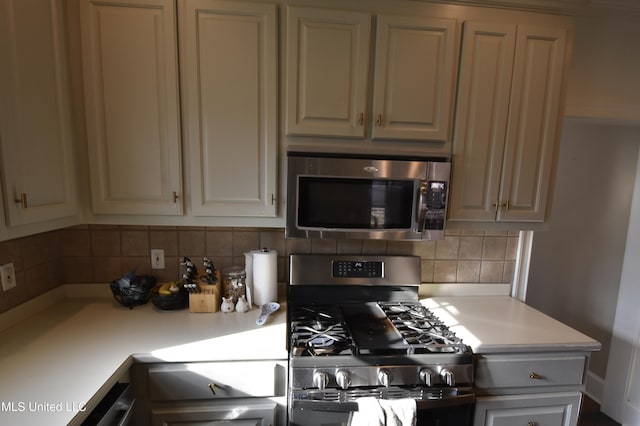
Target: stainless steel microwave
(366, 197)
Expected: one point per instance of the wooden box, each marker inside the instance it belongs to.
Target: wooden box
(209, 298)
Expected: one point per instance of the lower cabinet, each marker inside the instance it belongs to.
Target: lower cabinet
(213, 393)
(543, 389)
(549, 409)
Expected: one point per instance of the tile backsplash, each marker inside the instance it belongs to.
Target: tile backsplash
(101, 253)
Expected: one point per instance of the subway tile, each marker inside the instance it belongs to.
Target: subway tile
(400, 248)
(491, 271)
(297, 245)
(106, 269)
(444, 271)
(509, 271)
(470, 248)
(468, 271)
(135, 243)
(494, 248)
(374, 247)
(11, 252)
(425, 249)
(141, 263)
(427, 270)
(273, 240)
(326, 246)
(219, 243)
(512, 248)
(105, 242)
(447, 248)
(166, 239)
(349, 247)
(245, 241)
(77, 269)
(191, 243)
(76, 242)
(34, 250)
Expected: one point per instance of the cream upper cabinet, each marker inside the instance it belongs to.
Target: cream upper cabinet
(129, 50)
(506, 131)
(414, 78)
(326, 71)
(328, 63)
(36, 136)
(228, 67)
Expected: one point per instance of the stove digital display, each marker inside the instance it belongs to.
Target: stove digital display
(357, 269)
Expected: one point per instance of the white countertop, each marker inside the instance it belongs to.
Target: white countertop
(501, 324)
(72, 352)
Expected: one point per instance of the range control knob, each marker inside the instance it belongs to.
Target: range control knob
(426, 377)
(343, 378)
(447, 376)
(320, 380)
(384, 377)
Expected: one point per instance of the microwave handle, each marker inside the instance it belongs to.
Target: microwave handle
(422, 205)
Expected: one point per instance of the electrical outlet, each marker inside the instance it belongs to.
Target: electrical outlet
(157, 259)
(8, 276)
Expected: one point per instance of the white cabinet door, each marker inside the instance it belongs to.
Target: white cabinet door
(131, 95)
(36, 138)
(228, 70)
(552, 409)
(482, 111)
(414, 78)
(327, 68)
(533, 130)
(507, 128)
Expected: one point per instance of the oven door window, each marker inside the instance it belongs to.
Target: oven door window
(341, 203)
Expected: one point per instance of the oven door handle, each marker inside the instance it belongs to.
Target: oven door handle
(351, 406)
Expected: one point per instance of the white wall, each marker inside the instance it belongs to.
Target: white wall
(576, 265)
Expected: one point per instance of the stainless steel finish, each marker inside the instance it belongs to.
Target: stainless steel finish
(448, 377)
(320, 380)
(420, 170)
(317, 269)
(384, 377)
(343, 379)
(426, 377)
(371, 375)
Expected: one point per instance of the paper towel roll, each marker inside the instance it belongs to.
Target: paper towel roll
(265, 277)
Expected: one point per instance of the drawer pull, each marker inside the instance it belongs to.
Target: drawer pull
(213, 388)
(535, 376)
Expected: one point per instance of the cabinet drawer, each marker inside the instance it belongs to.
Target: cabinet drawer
(216, 380)
(529, 371)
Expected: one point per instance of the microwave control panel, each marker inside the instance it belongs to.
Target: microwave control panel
(436, 205)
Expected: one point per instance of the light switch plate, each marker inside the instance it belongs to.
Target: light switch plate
(157, 259)
(8, 275)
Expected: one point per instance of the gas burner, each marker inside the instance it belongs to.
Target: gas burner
(318, 331)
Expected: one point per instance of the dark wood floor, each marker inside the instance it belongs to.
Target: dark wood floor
(591, 415)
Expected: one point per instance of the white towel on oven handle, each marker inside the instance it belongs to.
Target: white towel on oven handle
(384, 412)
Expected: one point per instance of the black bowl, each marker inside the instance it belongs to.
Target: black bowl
(170, 302)
(136, 293)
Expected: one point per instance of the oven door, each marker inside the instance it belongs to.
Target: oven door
(448, 411)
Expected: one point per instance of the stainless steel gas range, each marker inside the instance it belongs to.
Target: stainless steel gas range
(357, 330)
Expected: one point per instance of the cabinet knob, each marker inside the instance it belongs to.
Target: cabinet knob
(535, 376)
(212, 387)
(531, 424)
(22, 200)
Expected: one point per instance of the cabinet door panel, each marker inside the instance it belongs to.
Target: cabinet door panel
(35, 120)
(414, 78)
(552, 409)
(131, 90)
(481, 119)
(533, 123)
(229, 82)
(327, 65)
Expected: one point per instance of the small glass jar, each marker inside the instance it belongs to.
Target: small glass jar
(234, 280)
